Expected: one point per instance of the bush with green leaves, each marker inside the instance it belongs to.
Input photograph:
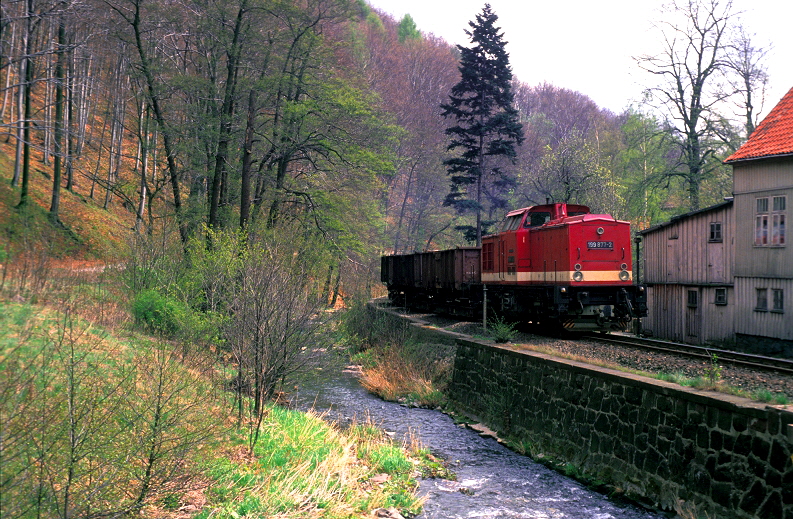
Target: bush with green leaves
(158, 313)
(502, 330)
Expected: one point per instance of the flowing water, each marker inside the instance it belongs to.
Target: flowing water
(492, 481)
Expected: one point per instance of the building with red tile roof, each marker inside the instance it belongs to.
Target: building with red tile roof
(773, 137)
(724, 274)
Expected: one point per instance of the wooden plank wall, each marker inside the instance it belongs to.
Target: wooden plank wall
(670, 317)
(766, 324)
(681, 253)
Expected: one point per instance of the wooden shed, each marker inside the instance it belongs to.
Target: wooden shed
(687, 265)
(724, 274)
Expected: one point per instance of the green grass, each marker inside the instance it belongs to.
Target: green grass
(301, 466)
(305, 467)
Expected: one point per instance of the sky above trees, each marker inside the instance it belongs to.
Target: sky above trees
(589, 46)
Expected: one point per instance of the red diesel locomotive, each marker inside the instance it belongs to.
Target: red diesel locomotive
(554, 264)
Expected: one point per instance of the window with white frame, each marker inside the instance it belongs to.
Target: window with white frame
(721, 296)
(769, 226)
(778, 296)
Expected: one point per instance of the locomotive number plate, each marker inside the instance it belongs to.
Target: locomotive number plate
(600, 245)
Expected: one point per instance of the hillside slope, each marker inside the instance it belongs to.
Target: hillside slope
(86, 230)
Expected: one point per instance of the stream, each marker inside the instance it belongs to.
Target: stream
(492, 481)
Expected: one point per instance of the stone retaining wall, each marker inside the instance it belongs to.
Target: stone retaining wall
(673, 447)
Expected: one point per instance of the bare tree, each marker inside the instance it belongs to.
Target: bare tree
(695, 42)
(275, 316)
(747, 74)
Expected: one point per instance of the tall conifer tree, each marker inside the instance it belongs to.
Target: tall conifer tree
(487, 127)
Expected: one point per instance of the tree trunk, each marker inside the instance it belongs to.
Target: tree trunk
(58, 137)
(226, 115)
(24, 192)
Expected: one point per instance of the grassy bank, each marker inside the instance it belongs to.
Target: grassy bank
(103, 420)
(399, 363)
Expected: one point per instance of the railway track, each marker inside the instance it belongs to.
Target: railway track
(744, 360)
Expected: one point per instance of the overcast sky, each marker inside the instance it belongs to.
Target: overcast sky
(588, 45)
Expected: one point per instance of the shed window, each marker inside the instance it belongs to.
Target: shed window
(762, 300)
(693, 298)
(715, 232)
(769, 225)
(721, 296)
(779, 300)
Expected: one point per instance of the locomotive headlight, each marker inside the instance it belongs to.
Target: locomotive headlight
(624, 275)
(624, 266)
(578, 275)
(577, 266)
(600, 231)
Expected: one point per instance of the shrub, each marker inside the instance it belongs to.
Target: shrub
(157, 313)
(502, 331)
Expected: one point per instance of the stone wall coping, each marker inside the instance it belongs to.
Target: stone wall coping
(701, 396)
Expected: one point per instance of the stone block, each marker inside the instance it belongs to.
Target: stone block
(665, 404)
(703, 437)
(712, 417)
(772, 508)
(743, 445)
(757, 467)
(760, 448)
(721, 493)
(787, 488)
(751, 500)
(716, 439)
(699, 480)
(674, 421)
(740, 422)
(758, 425)
(725, 421)
(666, 432)
(633, 395)
(780, 456)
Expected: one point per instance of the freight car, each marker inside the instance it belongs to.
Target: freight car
(553, 264)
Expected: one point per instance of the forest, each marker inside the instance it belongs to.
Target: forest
(236, 168)
(325, 116)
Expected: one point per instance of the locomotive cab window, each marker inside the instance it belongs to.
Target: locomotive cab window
(511, 223)
(538, 218)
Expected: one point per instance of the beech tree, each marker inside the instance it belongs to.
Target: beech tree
(487, 128)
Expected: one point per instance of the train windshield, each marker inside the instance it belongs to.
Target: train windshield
(538, 218)
(511, 223)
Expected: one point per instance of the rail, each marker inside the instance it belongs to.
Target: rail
(747, 360)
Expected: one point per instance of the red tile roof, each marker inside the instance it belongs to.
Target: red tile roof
(773, 136)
